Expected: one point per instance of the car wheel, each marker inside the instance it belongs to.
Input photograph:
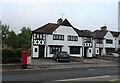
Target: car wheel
(57, 59)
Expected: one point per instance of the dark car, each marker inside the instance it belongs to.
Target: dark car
(61, 56)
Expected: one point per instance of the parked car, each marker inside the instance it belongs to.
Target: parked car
(115, 54)
(61, 56)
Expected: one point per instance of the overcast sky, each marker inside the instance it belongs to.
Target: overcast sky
(81, 14)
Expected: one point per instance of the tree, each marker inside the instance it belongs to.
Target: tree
(5, 30)
(23, 38)
(11, 39)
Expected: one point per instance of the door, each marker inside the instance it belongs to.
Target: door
(100, 51)
(41, 51)
(85, 52)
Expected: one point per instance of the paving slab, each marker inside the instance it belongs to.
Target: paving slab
(51, 64)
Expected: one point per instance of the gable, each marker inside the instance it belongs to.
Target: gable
(65, 30)
(108, 35)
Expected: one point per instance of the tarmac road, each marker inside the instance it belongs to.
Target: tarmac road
(58, 74)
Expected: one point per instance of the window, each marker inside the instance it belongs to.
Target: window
(40, 36)
(34, 35)
(119, 41)
(54, 49)
(37, 36)
(72, 38)
(87, 40)
(99, 41)
(89, 50)
(97, 51)
(109, 41)
(74, 50)
(86, 44)
(89, 44)
(35, 49)
(58, 37)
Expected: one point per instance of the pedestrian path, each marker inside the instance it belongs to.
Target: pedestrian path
(97, 78)
(51, 64)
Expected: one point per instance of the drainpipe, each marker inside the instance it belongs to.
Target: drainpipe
(104, 47)
(94, 48)
(82, 59)
(46, 44)
(83, 47)
(116, 44)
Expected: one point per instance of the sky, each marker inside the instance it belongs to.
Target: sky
(82, 14)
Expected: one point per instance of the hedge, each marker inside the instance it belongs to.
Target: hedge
(11, 56)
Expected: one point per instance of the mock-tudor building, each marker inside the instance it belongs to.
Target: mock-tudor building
(62, 36)
(105, 41)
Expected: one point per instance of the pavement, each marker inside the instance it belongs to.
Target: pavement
(96, 78)
(38, 64)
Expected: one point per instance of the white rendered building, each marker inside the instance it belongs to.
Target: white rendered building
(62, 36)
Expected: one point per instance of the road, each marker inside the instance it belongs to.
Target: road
(58, 74)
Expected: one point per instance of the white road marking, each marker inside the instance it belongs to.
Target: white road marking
(115, 80)
(90, 69)
(86, 78)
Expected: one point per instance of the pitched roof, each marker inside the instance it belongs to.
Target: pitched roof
(98, 34)
(81, 33)
(115, 34)
(48, 28)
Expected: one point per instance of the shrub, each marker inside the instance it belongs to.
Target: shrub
(11, 56)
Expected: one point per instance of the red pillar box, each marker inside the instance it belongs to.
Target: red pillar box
(24, 57)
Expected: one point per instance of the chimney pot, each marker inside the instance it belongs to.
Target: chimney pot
(104, 28)
(59, 21)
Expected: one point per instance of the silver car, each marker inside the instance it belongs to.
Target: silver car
(61, 56)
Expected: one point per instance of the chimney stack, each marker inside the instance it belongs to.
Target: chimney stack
(59, 21)
(104, 28)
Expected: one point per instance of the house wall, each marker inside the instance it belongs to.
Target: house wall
(35, 54)
(64, 30)
(110, 46)
(118, 41)
(95, 49)
(90, 53)
(109, 36)
(99, 45)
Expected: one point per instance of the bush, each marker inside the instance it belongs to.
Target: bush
(11, 56)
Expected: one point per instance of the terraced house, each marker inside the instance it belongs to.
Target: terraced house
(105, 41)
(62, 36)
